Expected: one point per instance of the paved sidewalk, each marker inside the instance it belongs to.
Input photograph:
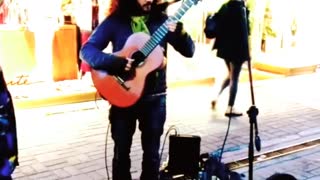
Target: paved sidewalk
(68, 142)
(204, 67)
(303, 165)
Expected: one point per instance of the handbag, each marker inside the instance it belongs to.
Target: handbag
(210, 29)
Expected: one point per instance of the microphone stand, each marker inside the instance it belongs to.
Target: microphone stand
(252, 113)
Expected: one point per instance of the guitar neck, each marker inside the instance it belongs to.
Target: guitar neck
(160, 33)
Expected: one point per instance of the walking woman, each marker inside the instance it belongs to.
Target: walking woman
(232, 45)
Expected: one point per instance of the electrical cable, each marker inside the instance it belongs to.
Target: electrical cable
(95, 99)
(225, 140)
(106, 141)
(225, 137)
(173, 127)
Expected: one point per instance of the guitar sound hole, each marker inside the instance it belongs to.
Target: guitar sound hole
(138, 57)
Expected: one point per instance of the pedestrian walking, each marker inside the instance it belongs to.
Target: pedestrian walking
(231, 42)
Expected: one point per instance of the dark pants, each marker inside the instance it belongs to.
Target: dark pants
(151, 114)
(232, 80)
(5, 177)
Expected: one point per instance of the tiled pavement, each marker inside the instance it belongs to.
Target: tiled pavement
(69, 141)
(303, 165)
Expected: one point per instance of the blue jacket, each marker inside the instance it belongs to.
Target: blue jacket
(8, 131)
(115, 30)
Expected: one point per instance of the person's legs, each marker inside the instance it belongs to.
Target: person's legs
(123, 125)
(224, 84)
(235, 74)
(152, 117)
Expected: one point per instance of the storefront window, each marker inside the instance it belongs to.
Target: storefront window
(31, 33)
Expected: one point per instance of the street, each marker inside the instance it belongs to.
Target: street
(69, 141)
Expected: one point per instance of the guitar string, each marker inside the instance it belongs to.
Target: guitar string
(159, 34)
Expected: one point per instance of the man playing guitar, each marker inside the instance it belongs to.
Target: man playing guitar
(136, 61)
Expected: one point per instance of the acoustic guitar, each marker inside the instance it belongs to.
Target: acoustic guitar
(125, 90)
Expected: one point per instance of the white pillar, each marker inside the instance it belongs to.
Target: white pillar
(44, 17)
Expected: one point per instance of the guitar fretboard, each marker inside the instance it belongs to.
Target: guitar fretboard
(159, 34)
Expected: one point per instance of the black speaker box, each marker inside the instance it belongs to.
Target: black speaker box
(184, 153)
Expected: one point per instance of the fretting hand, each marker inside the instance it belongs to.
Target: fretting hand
(175, 27)
(171, 25)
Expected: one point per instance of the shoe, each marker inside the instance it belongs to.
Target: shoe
(233, 113)
(213, 104)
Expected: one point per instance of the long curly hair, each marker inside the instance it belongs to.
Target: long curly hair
(126, 7)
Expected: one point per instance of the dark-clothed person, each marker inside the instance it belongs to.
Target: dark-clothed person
(8, 132)
(232, 45)
(125, 18)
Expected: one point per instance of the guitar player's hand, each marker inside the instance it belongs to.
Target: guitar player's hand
(119, 65)
(116, 65)
(171, 25)
(129, 71)
(129, 64)
(175, 27)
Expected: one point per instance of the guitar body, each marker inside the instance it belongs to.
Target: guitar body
(127, 93)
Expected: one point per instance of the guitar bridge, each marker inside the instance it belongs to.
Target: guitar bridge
(121, 82)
